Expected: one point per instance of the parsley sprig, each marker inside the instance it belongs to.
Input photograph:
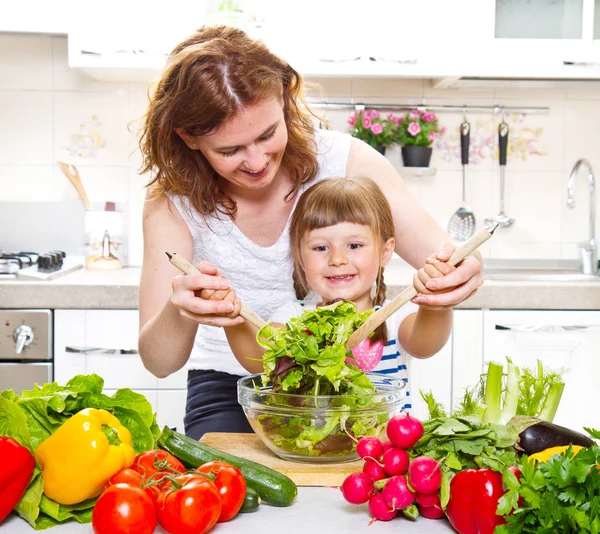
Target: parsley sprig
(559, 496)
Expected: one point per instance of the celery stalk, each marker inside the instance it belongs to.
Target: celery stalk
(511, 393)
(500, 408)
(493, 393)
(551, 402)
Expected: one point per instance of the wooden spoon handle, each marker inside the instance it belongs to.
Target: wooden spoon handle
(187, 268)
(70, 171)
(381, 315)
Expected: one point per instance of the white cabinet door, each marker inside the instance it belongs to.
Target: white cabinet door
(116, 330)
(92, 341)
(171, 408)
(36, 16)
(467, 352)
(69, 331)
(562, 340)
(432, 374)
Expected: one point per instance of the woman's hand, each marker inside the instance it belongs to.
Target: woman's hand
(442, 286)
(206, 298)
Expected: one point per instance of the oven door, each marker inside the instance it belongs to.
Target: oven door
(20, 376)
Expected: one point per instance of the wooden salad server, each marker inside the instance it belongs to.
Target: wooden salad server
(380, 316)
(187, 268)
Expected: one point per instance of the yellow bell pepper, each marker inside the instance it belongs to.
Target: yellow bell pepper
(79, 458)
(546, 454)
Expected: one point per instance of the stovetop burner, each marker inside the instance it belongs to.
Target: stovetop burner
(35, 265)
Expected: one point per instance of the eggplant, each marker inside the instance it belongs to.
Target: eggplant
(535, 435)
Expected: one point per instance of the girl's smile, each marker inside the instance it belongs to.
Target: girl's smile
(342, 261)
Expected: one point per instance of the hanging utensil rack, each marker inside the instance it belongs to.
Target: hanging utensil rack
(495, 109)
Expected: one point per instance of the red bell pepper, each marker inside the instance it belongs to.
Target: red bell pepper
(474, 495)
(17, 468)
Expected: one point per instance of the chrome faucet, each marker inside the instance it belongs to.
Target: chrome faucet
(588, 250)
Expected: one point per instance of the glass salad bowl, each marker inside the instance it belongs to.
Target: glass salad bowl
(319, 429)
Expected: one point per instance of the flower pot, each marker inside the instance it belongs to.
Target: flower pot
(380, 149)
(416, 156)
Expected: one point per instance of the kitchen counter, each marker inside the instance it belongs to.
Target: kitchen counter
(85, 289)
(315, 510)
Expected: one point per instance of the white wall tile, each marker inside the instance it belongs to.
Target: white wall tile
(100, 117)
(26, 127)
(26, 62)
(581, 132)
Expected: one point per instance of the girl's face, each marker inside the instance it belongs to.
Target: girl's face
(247, 149)
(342, 261)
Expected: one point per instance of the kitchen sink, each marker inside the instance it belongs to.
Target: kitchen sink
(536, 271)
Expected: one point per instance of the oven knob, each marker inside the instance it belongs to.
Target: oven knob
(23, 336)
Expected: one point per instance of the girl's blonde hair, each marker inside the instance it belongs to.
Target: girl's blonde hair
(357, 200)
(209, 78)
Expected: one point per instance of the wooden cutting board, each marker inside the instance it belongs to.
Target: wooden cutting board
(250, 447)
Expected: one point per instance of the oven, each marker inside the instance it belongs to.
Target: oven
(25, 349)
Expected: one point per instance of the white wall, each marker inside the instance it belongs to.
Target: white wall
(49, 112)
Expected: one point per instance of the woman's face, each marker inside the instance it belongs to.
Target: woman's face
(247, 149)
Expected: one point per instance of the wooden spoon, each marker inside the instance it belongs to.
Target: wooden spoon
(187, 268)
(70, 171)
(380, 316)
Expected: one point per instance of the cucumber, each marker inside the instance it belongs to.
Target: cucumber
(251, 501)
(271, 486)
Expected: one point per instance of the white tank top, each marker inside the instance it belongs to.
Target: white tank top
(261, 276)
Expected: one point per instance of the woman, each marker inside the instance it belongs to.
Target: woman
(233, 145)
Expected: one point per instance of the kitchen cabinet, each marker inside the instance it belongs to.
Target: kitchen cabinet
(532, 39)
(36, 16)
(565, 341)
(105, 342)
(431, 374)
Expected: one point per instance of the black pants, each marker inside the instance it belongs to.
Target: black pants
(212, 404)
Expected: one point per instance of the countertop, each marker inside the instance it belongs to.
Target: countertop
(316, 510)
(89, 289)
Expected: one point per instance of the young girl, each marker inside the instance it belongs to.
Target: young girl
(342, 236)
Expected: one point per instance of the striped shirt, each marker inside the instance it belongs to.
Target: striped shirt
(394, 359)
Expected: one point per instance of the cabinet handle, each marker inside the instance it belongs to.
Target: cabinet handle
(96, 350)
(541, 328)
(581, 63)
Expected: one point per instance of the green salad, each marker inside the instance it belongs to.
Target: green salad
(307, 360)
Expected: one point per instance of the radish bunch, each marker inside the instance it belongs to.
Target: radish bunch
(390, 481)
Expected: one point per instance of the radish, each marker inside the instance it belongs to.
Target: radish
(374, 469)
(395, 461)
(369, 447)
(379, 509)
(357, 488)
(387, 445)
(432, 512)
(427, 499)
(425, 475)
(396, 493)
(404, 431)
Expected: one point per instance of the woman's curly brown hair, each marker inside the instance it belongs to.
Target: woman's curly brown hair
(209, 78)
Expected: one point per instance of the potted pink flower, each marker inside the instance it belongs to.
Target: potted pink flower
(372, 128)
(416, 132)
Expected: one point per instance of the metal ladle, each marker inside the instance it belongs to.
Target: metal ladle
(502, 220)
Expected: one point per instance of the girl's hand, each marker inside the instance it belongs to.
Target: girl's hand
(206, 298)
(442, 286)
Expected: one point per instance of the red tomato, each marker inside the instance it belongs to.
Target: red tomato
(154, 461)
(123, 509)
(133, 478)
(231, 484)
(194, 508)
